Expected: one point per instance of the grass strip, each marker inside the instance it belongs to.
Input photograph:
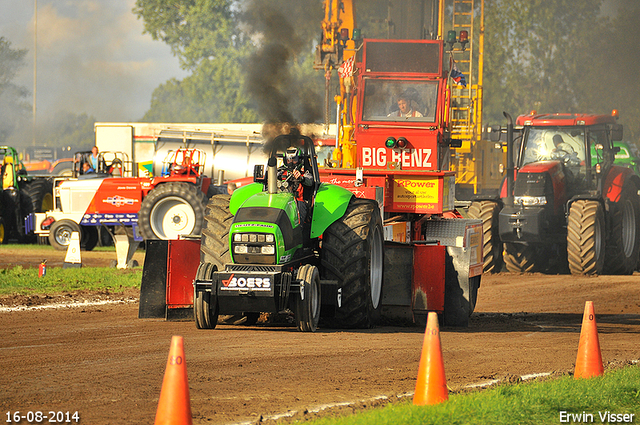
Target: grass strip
(21, 281)
(592, 400)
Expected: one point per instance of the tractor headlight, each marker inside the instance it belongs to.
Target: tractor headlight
(531, 201)
(268, 250)
(254, 243)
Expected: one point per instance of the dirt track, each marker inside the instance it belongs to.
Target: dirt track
(108, 365)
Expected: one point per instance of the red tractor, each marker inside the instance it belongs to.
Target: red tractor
(564, 201)
(162, 207)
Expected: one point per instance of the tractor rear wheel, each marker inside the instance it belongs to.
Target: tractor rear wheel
(172, 209)
(353, 254)
(488, 212)
(205, 304)
(36, 196)
(586, 237)
(621, 254)
(214, 247)
(308, 301)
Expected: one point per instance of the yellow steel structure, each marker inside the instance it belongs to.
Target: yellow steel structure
(477, 161)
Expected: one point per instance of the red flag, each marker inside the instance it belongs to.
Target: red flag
(346, 69)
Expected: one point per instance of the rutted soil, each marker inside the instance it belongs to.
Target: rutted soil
(105, 363)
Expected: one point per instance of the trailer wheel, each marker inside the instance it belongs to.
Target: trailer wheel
(205, 304)
(488, 212)
(308, 301)
(585, 237)
(353, 254)
(172, 209)
(621, 254)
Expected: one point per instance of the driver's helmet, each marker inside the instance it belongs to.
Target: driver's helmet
(292, 157)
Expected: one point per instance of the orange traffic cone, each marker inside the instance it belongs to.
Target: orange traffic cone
(174, 407)
(589, 361)
(431, 386)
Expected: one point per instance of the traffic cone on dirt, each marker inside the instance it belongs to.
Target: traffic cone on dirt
(431, 386)
(174, 407)
(589, 361)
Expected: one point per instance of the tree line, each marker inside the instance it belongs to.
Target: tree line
(251, 60)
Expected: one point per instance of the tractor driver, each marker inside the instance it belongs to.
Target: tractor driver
(404, 108)
(563, 151)
(297, 177)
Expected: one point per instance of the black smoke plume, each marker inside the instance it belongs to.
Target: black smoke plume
(281, 30)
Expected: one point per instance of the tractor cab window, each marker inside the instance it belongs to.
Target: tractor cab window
(554, 143)
(400, 101)
(598, 144)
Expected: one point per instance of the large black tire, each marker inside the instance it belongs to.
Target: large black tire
(586, 238)
(36, 196)
(172, 209)
(623, 245)
(205, 304)
(214, 247)
(353, 254)
(520, 258)
(308, 301)
(488, 212)
(60, 233)
(88, 237)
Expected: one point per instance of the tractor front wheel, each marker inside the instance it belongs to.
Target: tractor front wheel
(353, 254)
(521, 258)
(172, 209)
(586, 237)
(308, 301)
(60, 233)
(205, 304)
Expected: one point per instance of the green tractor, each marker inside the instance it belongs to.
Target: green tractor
(21, 195)
(305, 248)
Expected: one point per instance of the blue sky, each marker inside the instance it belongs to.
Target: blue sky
(91, 58)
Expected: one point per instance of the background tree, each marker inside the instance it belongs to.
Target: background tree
(218, 40)
(14, 107)
(562, 56)
(533, 52)
(67, 129)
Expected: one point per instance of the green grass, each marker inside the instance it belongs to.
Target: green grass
(617, 392)
(22, 281)
(45, 248)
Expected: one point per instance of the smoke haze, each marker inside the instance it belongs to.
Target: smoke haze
(92, 57)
